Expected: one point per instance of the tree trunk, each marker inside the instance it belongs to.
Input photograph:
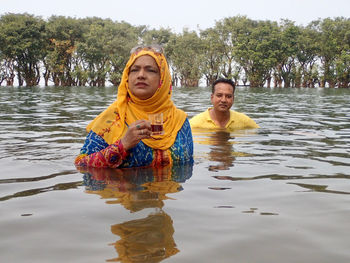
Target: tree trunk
(268, 82)
(189, 82)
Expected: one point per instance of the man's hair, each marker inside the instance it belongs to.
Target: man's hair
(223, 80)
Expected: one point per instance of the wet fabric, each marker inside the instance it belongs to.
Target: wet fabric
(98, 153)
(237, 121)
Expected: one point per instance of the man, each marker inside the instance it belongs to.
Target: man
(220, 115)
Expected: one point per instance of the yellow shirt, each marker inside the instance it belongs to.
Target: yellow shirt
(237, 121)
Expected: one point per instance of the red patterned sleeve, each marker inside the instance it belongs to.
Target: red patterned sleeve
(112, 157)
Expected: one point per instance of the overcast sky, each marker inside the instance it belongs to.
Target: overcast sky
(180, 14)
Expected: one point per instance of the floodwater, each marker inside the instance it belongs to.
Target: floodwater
(280, 193)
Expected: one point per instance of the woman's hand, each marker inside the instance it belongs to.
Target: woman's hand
(140, 129)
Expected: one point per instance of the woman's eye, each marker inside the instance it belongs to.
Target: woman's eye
(150, 69)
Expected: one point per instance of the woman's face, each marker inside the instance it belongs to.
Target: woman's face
(144, 77)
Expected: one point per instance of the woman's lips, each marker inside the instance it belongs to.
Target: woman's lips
(141, 84)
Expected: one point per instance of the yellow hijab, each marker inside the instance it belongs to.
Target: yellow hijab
(112, 123)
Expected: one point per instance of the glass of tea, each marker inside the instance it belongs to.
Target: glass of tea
(156, 120)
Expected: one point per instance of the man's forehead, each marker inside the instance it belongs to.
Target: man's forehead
(223, 88)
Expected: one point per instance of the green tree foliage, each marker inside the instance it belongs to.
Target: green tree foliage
(160, 37)
(231, 32)
(333, 47)
(63, 35)
(213, 64)
(342, 69)
(93, 51)
(125, 38)
(187, 57)
(286, 53)
(306, 57)
(256, 51)
(21, 41)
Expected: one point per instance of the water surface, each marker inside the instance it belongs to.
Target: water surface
(276, 194)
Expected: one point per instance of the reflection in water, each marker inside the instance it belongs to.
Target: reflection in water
(148, 239)
(221, 151)
(319, 188)
(36, 191)
(281, 177)
(220, 142)
(40, 190)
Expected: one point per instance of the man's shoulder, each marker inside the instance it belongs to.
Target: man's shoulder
(201, 114)
(204, 114)
(199, 118)
(241, 120)
(238, 114)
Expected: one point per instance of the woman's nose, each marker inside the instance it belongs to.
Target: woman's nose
(141, 73)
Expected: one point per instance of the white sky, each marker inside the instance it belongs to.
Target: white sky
(180, 14)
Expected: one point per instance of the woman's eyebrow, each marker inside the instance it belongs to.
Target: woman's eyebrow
(146, 66)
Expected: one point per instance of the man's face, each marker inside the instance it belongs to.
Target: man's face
(223, 97)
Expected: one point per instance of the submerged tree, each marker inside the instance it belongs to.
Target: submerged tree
(306, 57)
(21, 41)
(187, 57)
(333, 44)
(93, 51)
(212, 66)
(125, 38)
(63, 35)
(256, 50)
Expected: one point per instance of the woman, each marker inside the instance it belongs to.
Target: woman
(121, 135)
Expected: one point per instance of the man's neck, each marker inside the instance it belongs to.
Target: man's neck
(219, 117)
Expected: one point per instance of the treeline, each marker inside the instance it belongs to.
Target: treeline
(92, 51)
